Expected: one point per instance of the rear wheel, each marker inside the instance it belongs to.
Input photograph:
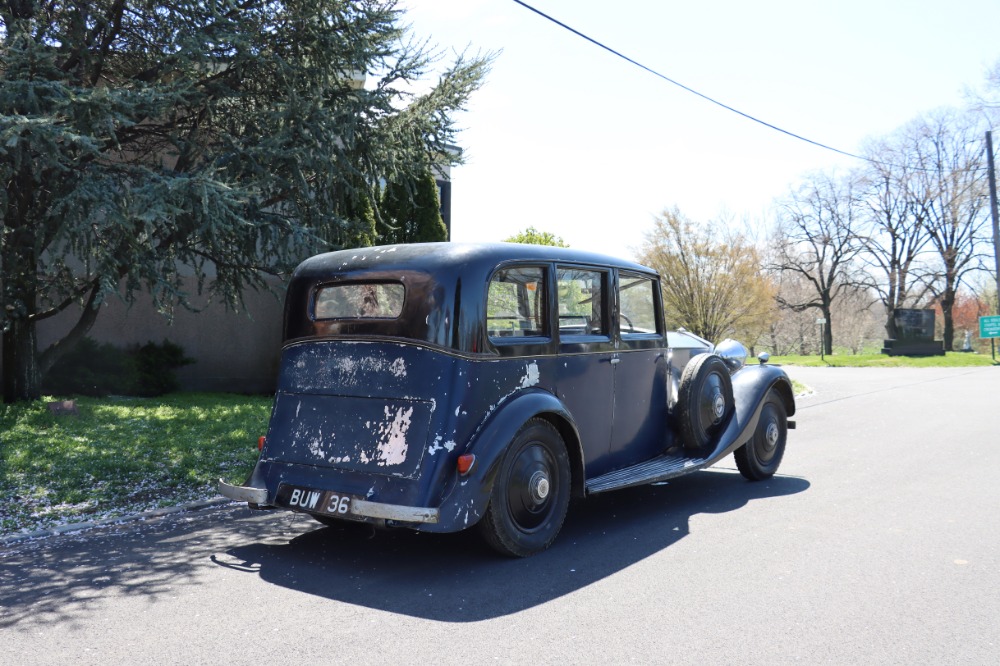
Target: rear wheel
(704, 400)
(760, 457)
(530, 495)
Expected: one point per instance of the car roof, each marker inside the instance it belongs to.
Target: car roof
(449, 257)
(447, 282)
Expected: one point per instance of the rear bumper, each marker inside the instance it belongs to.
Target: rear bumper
(358, 508)
(243, 493)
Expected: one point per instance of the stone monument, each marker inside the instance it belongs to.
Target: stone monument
(915, 334)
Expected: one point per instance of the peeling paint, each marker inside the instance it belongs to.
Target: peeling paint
(316, 446)
(392, 444)
(398, 368)
(531, 376)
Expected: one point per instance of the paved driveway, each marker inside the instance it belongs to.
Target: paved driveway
(878, 543)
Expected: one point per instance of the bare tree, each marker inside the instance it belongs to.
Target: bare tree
(793, 332)
(819, 239)
(897, 236)
(858, 321)
(950, 184)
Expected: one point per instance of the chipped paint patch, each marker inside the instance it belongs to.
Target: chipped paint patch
(531, 376)
(392, 444)
(316, 446)
(355, 370)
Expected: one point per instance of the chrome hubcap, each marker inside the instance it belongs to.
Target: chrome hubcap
(538, 486)
(772, 434)
(719, 406)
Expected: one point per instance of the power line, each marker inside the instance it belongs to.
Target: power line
(689, 89)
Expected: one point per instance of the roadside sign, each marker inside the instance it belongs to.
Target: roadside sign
(821, 320)
(989, 327)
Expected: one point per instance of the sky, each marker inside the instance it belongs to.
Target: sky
(570, 139)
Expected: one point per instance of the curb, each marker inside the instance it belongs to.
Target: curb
(119, 520)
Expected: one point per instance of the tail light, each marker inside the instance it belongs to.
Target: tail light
(466, 462)
(260, 443)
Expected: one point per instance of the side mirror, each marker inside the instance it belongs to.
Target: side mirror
(763, 357)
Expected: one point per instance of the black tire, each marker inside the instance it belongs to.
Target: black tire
(760, 457)
(704, 400)
(530, 495)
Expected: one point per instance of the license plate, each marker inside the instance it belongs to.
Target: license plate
(328, 502)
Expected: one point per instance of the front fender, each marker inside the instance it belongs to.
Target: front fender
(467, 502)
(750, 387)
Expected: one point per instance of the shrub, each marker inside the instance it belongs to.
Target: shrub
(154, 367)
(97, 369)
(90, 368)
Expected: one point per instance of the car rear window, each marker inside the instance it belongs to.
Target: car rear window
(369, 300)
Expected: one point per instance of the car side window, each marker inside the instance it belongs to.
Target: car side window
(515, 306)
(637, 306)
(582, 309)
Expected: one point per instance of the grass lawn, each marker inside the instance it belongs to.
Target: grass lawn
(122, 455)
(949, 360)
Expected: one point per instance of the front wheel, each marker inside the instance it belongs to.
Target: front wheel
(530, 495)
(759, 458)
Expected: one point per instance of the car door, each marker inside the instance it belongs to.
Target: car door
(586, 357)
(641, 373)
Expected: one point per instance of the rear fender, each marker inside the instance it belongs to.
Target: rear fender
(472, 492)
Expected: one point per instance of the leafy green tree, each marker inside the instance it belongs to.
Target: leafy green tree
(712, 280)
(533, 236)
(231, 137)
(412, 212)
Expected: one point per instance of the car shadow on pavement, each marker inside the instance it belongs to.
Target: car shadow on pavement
(456, 578)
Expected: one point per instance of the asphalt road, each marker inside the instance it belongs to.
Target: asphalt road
(878, 543)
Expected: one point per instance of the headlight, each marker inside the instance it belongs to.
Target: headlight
(733, 353)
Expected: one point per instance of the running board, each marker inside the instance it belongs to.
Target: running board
(661, 468)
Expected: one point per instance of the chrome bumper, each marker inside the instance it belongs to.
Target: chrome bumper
(361, 508)
(404, 514)
(243, 493)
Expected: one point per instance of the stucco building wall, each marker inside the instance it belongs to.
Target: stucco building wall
(234, 352)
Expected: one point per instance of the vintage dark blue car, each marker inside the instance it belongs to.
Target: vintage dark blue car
(443, 386)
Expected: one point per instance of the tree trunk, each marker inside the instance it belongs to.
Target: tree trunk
(827, 331)
(61, 347)
(890, 323)
(21, 379)
(21, 376)
(947, 305)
